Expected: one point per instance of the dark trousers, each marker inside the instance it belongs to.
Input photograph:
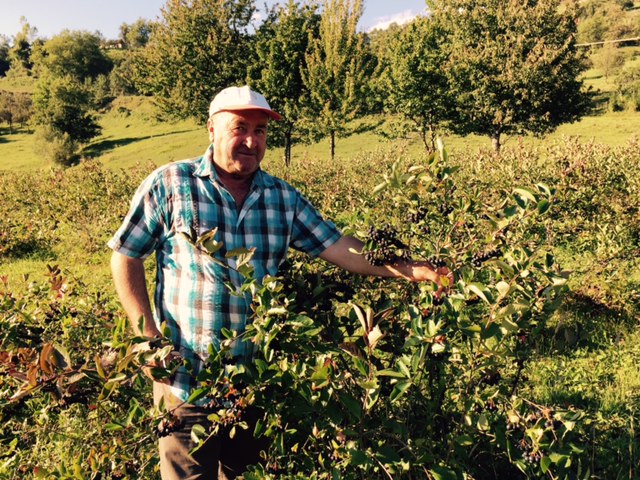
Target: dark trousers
(220, 457)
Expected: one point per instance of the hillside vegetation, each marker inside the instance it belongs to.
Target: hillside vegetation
(529, 368)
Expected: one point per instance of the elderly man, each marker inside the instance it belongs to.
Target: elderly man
(225, 189)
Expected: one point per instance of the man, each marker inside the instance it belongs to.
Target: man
(225, 189)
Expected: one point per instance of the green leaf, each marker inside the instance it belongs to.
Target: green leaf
(352, 405)
(443, 473)
(388, 455)
(503, 288)
(399, 389)
(368, 384)
(483, 423)
(508, 324)
(197, 394)
(261, 365)
(387, 372)
(358, 458)
(198, 433)
(320, 374)
(114, 427)
(543, 206)
(464, 441)
(481, 291)
(379, 188)
(525, 193)
(545, 463)
(361, 366)
(468, 328)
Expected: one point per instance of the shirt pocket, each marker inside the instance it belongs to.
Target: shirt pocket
(194, 259)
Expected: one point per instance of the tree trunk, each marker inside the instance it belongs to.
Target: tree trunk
(432, 134)
(287, 149)
(333, 144)
(423, 131)
(495, 141)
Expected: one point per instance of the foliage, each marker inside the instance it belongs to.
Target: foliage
(359, 378)
(609, 59)
(401, 383)
(281, 43)
(4, 55)
(416, 82)
(136, 34)
(606, 20)
(59, 381)
(20, 51)
(63, 107)
(197, 49)
(513, 66)
(15, 108)
(337, 68)
(72, 53)
(627, 93)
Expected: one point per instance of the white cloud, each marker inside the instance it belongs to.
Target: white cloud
(382, 23)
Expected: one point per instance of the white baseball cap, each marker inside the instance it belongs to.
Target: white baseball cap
(240, 98)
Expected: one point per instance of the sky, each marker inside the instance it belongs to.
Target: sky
(50, 17)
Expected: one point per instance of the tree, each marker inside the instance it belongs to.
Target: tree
(513, 66)
(15, 107)
(75, 53)
(604, 20)
(337, 69)
(627, 92)
(5, 63)
(609, 59)
(197, 49)
(281, 43)
(63, 110)
(136, 34)
(20, 52)
(416, 84)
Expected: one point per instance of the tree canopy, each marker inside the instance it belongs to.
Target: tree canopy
(337, 70)
(75, 53)
(281, 45)
(513, 65)
(415, 79)
(198, 48)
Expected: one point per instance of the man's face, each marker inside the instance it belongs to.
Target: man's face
(239, 141)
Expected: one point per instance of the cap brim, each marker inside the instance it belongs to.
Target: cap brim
(273, 115)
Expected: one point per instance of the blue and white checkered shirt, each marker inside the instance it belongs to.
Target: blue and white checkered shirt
(191, 296)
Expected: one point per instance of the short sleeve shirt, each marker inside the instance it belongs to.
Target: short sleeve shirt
(192, 295)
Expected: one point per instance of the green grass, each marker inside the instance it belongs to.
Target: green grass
(133, 133)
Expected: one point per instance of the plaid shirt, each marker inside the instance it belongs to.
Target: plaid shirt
(191, 296)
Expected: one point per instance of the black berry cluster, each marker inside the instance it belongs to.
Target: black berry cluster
(437, 262)
(479, 258)
(385, 247)
(168, 426)
(445, 209)
(418, 217)
(531, 456)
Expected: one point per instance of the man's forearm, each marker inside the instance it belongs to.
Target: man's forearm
(346, 253)
(129, 279)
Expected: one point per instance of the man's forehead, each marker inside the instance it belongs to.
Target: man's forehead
(242, 116)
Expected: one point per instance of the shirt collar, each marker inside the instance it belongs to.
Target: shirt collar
(205, 169)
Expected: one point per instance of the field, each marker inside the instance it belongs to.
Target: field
(580, 356)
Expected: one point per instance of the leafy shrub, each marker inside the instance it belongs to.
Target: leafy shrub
(357, 377)
(57, 147)
(627, 92)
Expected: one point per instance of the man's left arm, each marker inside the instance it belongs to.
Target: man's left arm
(346, 253)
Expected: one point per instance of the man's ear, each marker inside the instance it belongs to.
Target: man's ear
(210, 129)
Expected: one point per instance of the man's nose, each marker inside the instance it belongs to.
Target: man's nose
(250, 140)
